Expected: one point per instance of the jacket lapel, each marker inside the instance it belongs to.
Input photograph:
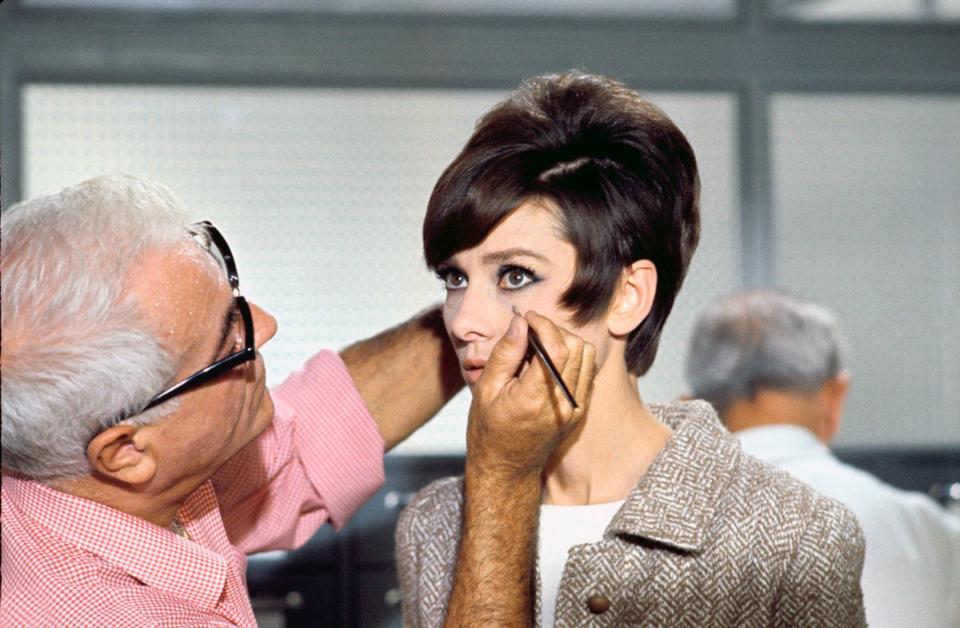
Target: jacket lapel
(676, 499)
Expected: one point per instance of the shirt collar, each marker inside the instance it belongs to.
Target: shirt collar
(779, 444)
(677, 497)
(151, 554)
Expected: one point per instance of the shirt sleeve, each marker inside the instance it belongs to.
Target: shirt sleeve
(318, 462)
(822, 583)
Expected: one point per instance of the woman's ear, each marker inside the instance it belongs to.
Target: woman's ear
(634, 297)
(115, 454)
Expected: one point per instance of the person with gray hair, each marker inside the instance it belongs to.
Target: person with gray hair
(143, 455)
(768, 342)
(773, 366)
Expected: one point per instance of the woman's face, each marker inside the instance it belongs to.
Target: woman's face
(525, 262)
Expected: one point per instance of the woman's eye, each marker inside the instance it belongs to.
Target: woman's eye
(453, 279)
(514, 278)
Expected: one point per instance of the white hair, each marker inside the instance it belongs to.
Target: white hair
(77, 351)
(762, 339)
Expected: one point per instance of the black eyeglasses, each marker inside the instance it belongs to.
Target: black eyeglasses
(217, 245)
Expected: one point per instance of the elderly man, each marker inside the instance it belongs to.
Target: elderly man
(772, 365)
(143, 456)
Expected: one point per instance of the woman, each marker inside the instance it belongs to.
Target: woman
(577, 198)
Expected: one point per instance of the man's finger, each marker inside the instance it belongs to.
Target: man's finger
(564, 351)
(507, 355)
(551, 337)
(583, 388)
(584, 385)
(571, 371)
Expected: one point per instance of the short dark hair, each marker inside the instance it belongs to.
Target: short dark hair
(623, 175)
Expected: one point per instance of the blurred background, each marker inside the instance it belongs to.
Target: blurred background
(311, 132)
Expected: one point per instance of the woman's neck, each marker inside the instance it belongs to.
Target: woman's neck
(611, 449)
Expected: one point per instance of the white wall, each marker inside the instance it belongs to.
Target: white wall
(321, 193)
(867, 221)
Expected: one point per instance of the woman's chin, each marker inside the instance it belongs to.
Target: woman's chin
(472, 376)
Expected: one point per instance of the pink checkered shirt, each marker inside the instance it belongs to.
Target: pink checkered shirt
(68, 561)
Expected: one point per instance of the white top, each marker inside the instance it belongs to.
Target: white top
(562, 527)
(911, 571)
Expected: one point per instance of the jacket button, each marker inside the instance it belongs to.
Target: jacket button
(598, 604)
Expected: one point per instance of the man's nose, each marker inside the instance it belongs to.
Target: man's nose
(264, 325)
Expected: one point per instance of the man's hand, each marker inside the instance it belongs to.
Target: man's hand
(516, 422)
(518, 418)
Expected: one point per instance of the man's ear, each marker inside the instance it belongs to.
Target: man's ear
(833, 394)
(115, 454)
(634, 297)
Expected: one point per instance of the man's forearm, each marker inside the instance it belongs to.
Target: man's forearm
(493, 584)
(405, 374)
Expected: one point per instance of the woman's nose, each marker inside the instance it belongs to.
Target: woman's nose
(473, 317)
(264, 325)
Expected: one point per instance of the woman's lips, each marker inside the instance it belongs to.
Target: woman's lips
(472, 375)
(472, 370)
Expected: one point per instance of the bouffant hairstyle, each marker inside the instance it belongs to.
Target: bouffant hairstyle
(622, 174)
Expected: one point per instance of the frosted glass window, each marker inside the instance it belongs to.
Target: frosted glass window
(867, 10)
(868, 222)
(537, 8)
(709, 122)
(321, 194)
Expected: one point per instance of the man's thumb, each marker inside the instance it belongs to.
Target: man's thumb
(507, 354)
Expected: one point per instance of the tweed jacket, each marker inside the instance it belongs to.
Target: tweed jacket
(709, 537)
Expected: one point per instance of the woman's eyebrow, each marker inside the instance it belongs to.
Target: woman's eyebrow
(501, 257)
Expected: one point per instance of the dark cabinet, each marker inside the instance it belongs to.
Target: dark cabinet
(348, 579)
(345, 579)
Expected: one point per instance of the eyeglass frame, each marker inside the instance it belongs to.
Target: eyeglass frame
(249, 351)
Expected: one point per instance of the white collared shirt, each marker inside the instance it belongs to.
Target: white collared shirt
(911, 571)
